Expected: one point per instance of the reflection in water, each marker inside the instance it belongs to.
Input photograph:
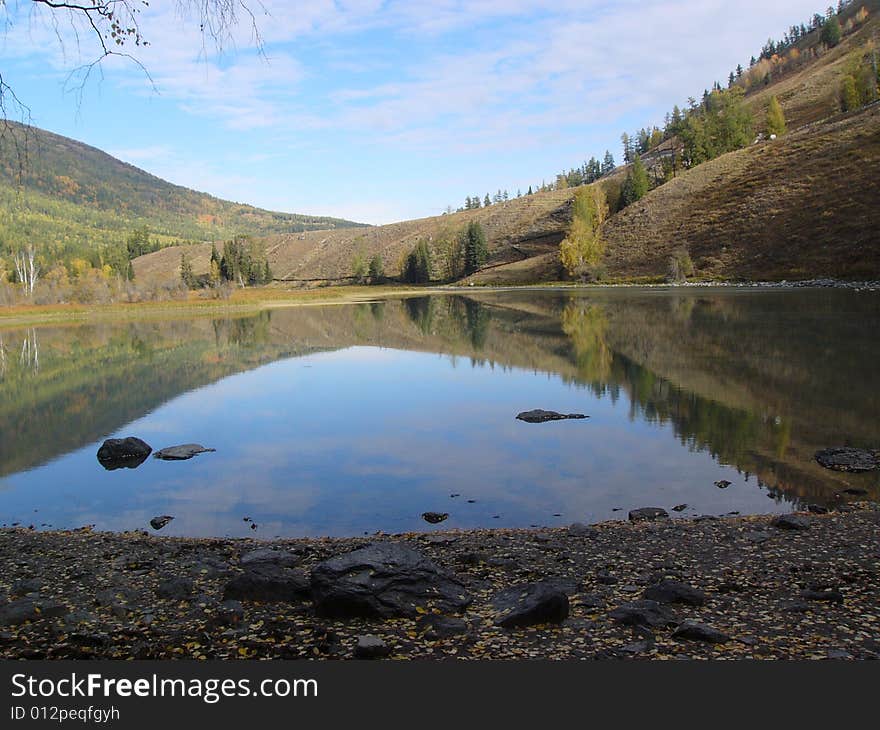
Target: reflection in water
(685, 388)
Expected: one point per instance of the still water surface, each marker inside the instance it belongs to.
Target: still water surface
(341, 420)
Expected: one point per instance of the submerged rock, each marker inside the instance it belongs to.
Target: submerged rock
(846, 458)
(647, 514)
(157, 523)
(541, 416)
(384, 580)
(127, 453)
(531, 603)
(181, 452)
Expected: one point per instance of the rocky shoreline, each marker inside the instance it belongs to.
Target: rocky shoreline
(805, 586)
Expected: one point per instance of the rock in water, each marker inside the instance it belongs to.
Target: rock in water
(179, 453)
(671, 591)
(790, 522)
(694, 631)
(647, 514)
(845, 458)
(434, 517)
(127, 453)
(531, 603)
(384, 580)
(722, 484)
(541, 416)
(157, 523)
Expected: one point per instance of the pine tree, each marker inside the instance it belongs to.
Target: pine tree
(831, 32)
(486, 201)
(186, 272)
(475, 249)
(530, 190)
(636, 185)
(775, 118)
(608, 163)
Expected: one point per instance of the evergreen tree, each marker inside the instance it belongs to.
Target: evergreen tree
(417, 268)
(831, 32)
(775, 118)
(186, 272)
(475, 249)
(636, 185)
(608, 163)
(486, 201)
(530, 190)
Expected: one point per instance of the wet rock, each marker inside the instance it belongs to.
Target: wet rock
(830, 595)
(647, 514)
(722, 484)
(176, 589)
(181, 452)
(541, 416)
(434, 517)
(382, 581)
(274, 555)
(30, 609)
(672, 591)
(578, 529)
(268, 583)
(693, 631)
(643, 613)
(125, 453)
(435, 626)
(530, 604)
(679, 508)
(846, 458)
(371, 647)
(790, 522)
(817, 509)
(229, 613)
(157, 523)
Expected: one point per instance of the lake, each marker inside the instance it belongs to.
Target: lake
(352, 419)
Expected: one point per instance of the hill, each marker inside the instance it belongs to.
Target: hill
(74, 198)
(798, 207)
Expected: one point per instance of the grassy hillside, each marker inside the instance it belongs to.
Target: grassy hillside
(71, 197)
(518, 229)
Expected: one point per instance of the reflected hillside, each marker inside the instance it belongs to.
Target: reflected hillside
(758, 379)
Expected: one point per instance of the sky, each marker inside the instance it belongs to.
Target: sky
(379, 111)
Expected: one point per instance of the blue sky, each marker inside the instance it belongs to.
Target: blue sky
(382, 111)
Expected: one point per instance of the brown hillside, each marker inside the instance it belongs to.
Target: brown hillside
(516, 230)
(805, 205)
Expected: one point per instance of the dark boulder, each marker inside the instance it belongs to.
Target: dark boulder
(722, 484)
(790, 522)
(384, 580)
(182, 452)
(434, 517)
(176, 589)
(268, 583)
(127, 453)
(647, 514)
(435, 626)
(30, 609)
(371, 647)
(830, 595)
(643, 613)
(578, 529)
(273, 555)
(846, 458)
(530, 604)
(693, 631)
(671, 591)
(541, 416)
(157, 523)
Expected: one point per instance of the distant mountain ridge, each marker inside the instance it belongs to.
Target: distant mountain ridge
(73, 195)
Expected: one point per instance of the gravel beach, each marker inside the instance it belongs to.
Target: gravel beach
(805, 586)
